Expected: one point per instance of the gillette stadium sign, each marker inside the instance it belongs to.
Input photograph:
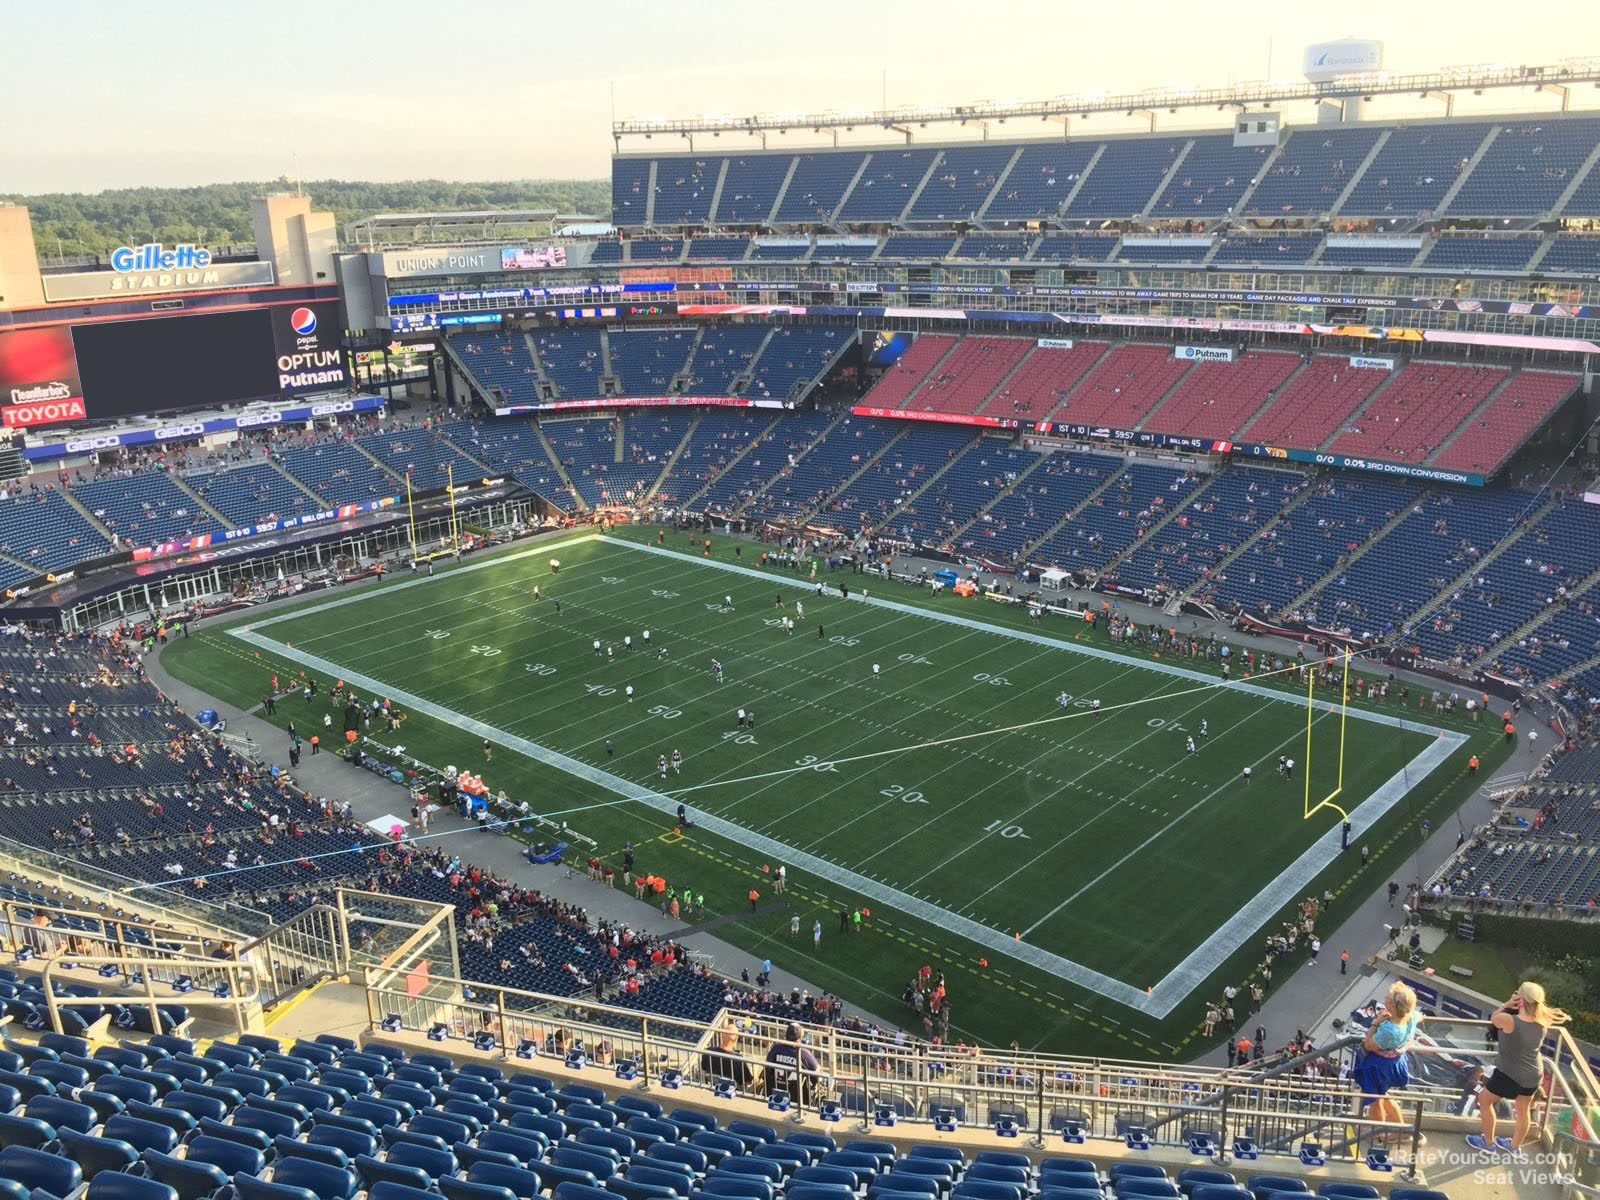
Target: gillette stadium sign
(152, 269)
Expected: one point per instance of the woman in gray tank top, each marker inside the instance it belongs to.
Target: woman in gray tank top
(1523, 1022)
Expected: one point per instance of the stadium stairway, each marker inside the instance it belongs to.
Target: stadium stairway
(746, 377)
(1089, 373)
(1475, 568)
(608, 373)
(779, 471)
(1545, 246)
(468, 454)
(31, 568)
(1166, 181)
(897, 386)
(277, 466)
(83, 511)
(844, 196)
(1276, 392)
(999, 182)
(1005, 381)
(1472, 165)
(545, 386)
(200, 500)
(716, 191)
(1038, 461)
(685, 374)
(1178, 510)
(355, 444)
(711, 481)
(672, 459)
(1145, 422)
(1242, 203)
(1227, 560)
(777, 197)
(1577, 669)
(1100, 490)
(1349, 419)
(1343, 564)
(844, 486)
(1544, 614)
(1467, 421)
(916, 192)
(555, 461)
(1560, 205)
(933, 478)
(1355, 178)
(1083, 178)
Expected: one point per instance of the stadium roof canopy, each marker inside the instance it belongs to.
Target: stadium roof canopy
(458, 228)
(1442, 86)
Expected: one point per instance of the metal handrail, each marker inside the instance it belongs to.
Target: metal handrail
(242, 979)
(218, 921)
(1572, 71)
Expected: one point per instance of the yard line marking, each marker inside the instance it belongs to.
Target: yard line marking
(1160, 666)
(421, 580)
(1161, 999)
(1231, 781)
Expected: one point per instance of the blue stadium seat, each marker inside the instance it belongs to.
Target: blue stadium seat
(61, 1113)
(1263, 1185)
(50, 1173)
(350, 1141)
(97, 1154)
(175, 1119)
(228, 1156)
(749, 1187)
(25, 1131)
(1190, 1178)
(326, 1182)
(893, 1182)
(434, 1162)
(273, 1124)
(191, 1180)
(249, 1187)
(253, 1140)
(118, 1185)
(522, 1182)
(462, 1189)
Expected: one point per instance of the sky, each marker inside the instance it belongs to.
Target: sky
(104, 94)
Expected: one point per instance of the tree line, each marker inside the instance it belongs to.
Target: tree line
(218, 214)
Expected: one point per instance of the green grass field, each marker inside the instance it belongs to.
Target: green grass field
(1103, 873)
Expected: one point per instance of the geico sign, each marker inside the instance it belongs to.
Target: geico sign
(180, 431)
(271, 418)
(104, 442)
(17, 416)
(339, 406)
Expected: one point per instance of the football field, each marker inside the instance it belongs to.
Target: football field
(940, 762)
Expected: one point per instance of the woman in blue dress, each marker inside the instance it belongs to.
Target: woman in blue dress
(1383, 1064)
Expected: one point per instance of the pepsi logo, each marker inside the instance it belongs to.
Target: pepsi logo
(303, 321)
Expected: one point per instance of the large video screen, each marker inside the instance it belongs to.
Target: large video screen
(532, 258)
(131, 367)
(39, 377)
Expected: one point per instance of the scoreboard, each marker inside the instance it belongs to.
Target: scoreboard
(99, 370)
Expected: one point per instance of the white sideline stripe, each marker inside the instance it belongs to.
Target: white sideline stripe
(1162, 998)
(982, 935)
(1039, 639)
(1237, 929)
(294, 614)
